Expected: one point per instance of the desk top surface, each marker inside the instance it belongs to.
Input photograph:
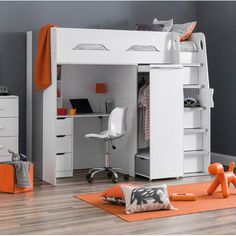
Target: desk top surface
(85, 115)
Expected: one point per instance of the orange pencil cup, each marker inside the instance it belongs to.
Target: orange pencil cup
(72, 112)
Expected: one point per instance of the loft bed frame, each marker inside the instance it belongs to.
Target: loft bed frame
(144, 52)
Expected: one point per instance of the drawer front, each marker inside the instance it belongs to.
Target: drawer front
(190, 75)
(5, 158)
(9, 107)
(8, 143)
(63, 144)
(64, 126)
(9, 126)
(193, 142)
(193, 164)
(64, 161)
(192, 119)
(142, 166)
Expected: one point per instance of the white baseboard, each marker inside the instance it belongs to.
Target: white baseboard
(222, 158)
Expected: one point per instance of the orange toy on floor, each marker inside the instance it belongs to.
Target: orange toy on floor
(222, 178)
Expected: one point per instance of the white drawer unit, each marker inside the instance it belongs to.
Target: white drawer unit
(9, 106)
(63, 144)
(9, 126)
(64, 147)
(8, 143)
(64, 126)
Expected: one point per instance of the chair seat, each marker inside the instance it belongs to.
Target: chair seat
(102, 135)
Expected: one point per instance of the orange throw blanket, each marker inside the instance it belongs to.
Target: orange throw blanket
(43, 59)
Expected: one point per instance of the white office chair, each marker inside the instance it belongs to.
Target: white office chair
(116, 129)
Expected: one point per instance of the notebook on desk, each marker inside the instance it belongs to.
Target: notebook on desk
(81, 105)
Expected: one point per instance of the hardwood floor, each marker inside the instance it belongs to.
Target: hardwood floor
(54, 210)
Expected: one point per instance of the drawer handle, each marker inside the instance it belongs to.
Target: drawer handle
(2, 146)
(141, 158)
(2, 108)
(61, 153)
(2, 127)
(61, 118)
(61, 136)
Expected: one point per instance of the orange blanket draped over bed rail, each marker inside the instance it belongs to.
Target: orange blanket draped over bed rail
(43, 59)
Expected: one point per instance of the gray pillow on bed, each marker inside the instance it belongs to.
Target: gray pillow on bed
(164, 25)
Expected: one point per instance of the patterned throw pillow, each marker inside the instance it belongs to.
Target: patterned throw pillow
(184, 30)
(114, 200)
(164, 26)
(146, 198)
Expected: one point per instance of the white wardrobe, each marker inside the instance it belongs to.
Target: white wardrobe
(179, 137)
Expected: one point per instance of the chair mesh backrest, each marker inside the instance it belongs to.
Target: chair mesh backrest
(117, 121)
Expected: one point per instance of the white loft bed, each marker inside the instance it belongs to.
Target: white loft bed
(122, 55)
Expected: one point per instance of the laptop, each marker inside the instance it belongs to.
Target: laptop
(81, 105)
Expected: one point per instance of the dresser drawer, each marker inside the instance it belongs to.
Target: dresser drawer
(190, 75)
(8, 107)
(9, 126)
(64, 161)
(8, 143)
(63, 144)
(5, 158)
(64, 126)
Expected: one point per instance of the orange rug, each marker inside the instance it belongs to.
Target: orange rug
(202, 203)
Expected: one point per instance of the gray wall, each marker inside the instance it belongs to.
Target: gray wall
(26, 16)
(218, 21)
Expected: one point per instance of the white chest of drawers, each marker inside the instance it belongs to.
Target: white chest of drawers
(9, 126)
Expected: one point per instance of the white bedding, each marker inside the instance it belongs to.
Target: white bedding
(188, 46)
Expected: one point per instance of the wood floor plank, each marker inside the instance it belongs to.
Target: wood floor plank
(54, 210)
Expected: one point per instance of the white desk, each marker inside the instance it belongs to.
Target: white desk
(85, 115)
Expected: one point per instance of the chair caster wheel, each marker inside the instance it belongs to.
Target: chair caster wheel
(115, 180)
(109, 174)
(126, 177)
(89, 178)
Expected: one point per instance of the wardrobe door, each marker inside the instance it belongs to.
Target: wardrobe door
(166, 122)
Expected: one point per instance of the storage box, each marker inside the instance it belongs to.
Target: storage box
(8, 183)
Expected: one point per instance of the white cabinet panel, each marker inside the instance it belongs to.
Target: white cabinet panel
(9, 126)
(166, 123)
(192, 119)
(193, 142)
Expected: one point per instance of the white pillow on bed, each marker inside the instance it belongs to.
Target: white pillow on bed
(164, 25)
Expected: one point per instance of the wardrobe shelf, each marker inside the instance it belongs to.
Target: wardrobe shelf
(193, 86)
(192, 64)
(194, 174)
(195, 153)
(194, 130)
(194, 108)
(144, 154)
